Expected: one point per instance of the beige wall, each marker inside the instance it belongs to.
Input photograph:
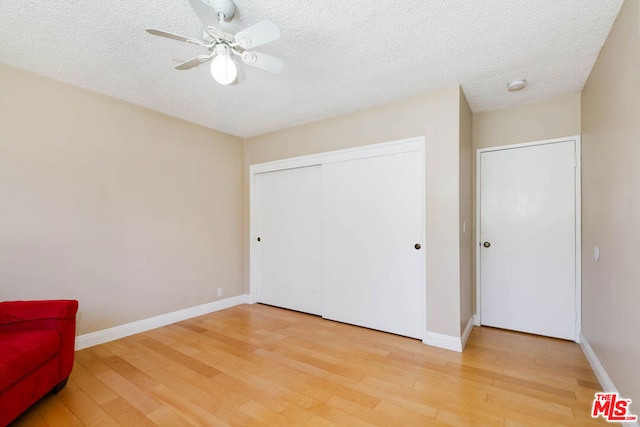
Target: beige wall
(132, 212)
(436, 116)
(384, 123)
(466, 214)
(553, 118)
(611, 205)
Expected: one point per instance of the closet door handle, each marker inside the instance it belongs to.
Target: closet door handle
(417, 246)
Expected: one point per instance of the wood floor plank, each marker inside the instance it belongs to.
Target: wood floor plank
(465, 419)
(166, 416)
(185, 360)
(91, 385)
(56, 413)
(31, 418)
(263, 414)
(89, 412)
(158, 366)
(140, 400)
(405, 416)
(317, 421)
(189, 410)
(256, 365)
(364, 413)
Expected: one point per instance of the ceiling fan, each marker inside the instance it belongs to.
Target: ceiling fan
(224, 41)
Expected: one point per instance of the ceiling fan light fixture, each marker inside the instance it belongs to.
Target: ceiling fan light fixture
(225, 42)
(223, 68)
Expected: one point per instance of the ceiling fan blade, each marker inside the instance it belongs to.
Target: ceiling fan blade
(258, 34)
(193, 62)
(263, 61)
(161, 33)
(205, 13)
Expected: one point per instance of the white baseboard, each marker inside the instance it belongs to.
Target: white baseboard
(121, 331)
(603, 378)
(467, 330)
(449, 342)
(598, 369)
(476, 320)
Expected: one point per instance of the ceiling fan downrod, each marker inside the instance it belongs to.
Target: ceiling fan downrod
(224, 9)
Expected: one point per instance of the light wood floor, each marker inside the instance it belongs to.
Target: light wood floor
(257, 365)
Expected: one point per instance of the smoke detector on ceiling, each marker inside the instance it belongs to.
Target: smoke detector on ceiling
(516, 85)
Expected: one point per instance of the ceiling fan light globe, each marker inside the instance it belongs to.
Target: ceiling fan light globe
(224, 70)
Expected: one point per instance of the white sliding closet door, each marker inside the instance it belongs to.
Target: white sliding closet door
(289, 228)
(372, 259)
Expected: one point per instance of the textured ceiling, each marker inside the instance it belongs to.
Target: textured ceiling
(340, 56)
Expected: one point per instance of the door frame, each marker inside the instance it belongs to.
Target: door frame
(578, 243)
(361, 152)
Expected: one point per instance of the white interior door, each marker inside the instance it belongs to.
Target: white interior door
(289, 228)
(528, 239)
(372, 218)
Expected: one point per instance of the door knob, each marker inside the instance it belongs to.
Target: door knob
(486, 244)
(417, 246)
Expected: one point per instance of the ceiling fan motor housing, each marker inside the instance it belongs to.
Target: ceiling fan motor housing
(226, 8)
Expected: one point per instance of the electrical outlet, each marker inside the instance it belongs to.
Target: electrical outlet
(219, 292)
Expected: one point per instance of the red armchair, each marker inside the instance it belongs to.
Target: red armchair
(37, 342)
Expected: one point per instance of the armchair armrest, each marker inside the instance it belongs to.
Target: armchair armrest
(20, 311)
(57, 315)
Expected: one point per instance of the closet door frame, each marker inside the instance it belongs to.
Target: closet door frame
(578, 225)
(362, 152)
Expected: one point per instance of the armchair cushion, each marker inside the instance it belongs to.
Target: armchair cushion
(23, 352)
(54, 315)
(36, 352)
